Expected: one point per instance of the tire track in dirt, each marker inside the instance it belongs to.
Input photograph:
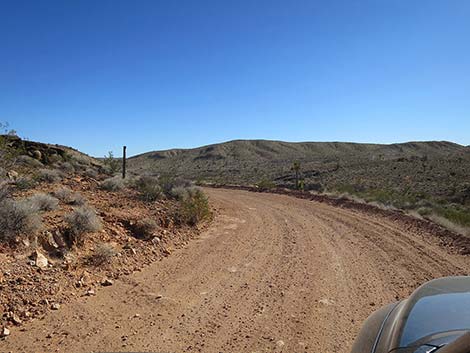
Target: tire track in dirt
(272, 274)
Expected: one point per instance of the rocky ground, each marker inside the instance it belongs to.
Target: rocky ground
(37, 278)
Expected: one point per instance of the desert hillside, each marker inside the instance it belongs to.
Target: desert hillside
(437, 168)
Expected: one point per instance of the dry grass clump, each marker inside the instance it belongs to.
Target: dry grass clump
(43, 202)
(81, 221)
(113, 184)
(18, 218)
(103, 254)
(49, 175)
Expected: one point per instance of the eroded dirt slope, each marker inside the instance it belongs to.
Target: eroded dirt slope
(273, 273)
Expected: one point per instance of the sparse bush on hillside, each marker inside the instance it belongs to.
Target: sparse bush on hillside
(145, 228)
(168, 183)
(81, 221)
(194, 208)
(149, 188)
(113, 184)
(29, 161)
(18, 218)
(63, 194)
(66, 167)
(4, 191)
(24, 183)
(103, 254)
(265, 184)
(456, 214)
(91, 173)
(112, 165)
(67, 196)
(183, 192)
(43, 202)
(49, 175)
(76, 199)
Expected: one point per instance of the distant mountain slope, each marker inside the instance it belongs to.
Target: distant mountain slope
(439, 168)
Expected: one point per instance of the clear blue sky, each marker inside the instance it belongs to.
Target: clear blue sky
(155, 74)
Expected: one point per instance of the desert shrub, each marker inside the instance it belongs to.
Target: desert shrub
(49, 175)
(82, 220)
(194, 208)
(4, 191)
(66, 167)
(64, 194)
(103, 254)
(91, 173)
(183, 192)
(112, 165)
(149, 188)
(76, 199)
(24, 183)
(265, 184)
(113, 184)
(29, 161)
(144, 228)
(168, 183)
(43, 202)
(18, 218)
(67, 196)
(456, 214)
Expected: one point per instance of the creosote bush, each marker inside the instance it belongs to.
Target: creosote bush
(43, 202)
(113, 184)
(193, 208)
(81, 221)
(18, 218)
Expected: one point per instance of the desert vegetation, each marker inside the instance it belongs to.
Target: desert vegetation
(65, 211)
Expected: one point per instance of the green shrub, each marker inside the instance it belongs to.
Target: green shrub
(193, 208)
(112, 165)
(265, 184)
(458, 215)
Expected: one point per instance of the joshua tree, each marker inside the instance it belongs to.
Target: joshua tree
(296, 169)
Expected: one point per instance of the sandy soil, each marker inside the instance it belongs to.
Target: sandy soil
(272, 274)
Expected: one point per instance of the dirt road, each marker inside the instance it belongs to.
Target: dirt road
(272, 274)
